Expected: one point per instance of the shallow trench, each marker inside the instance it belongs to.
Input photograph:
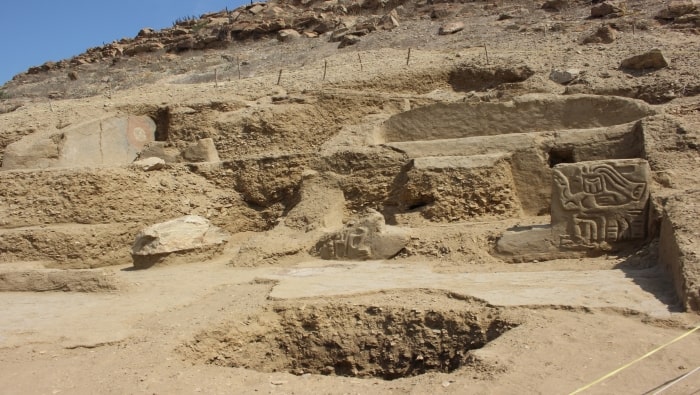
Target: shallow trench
(364, 341)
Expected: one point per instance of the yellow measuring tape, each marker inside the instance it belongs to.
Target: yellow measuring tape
(618, 370)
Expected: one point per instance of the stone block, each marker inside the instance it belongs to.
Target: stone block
(108, 141)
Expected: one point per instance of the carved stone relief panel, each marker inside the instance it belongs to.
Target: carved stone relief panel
(364, 237)
(600, 202)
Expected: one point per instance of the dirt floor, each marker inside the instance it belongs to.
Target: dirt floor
(212, 329)
(451, 147)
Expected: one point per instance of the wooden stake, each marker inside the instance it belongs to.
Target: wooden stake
(238, 62)
(279, 77)
(408, 58)
(216, 78)
(545, 30)
(487, 54)
(358, 57)
(325, 66)
(634, 22)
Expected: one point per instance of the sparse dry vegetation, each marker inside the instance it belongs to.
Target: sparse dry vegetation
(185, 20)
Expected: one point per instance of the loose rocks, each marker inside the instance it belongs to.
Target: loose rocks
(555, 5)
(451, 28)
(348, 40)
(287, 35)
(564, 76)
(677, 9)
(653, 59)
(604, 35)
(203, 151)
(187, 233)
(609, 10)
(149, 164)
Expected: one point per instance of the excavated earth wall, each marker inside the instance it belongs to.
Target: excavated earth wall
(444, 162)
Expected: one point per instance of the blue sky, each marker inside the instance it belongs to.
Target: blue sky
(35, 31)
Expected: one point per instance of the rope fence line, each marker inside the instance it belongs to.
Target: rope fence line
(325, 66)
(362, 64)
(627, 365)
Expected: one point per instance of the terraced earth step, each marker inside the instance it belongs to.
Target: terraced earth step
(75, 246)
(33, 276)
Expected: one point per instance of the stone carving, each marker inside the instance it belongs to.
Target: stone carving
(349, 243)
(596, 206)
(365, 238)
(600, 202)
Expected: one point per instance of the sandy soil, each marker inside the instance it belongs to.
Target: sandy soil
(569, 331)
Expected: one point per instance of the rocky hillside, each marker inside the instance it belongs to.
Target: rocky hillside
(153, 55)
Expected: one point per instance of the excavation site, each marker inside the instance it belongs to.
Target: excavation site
(364, 341)
(343, 197)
